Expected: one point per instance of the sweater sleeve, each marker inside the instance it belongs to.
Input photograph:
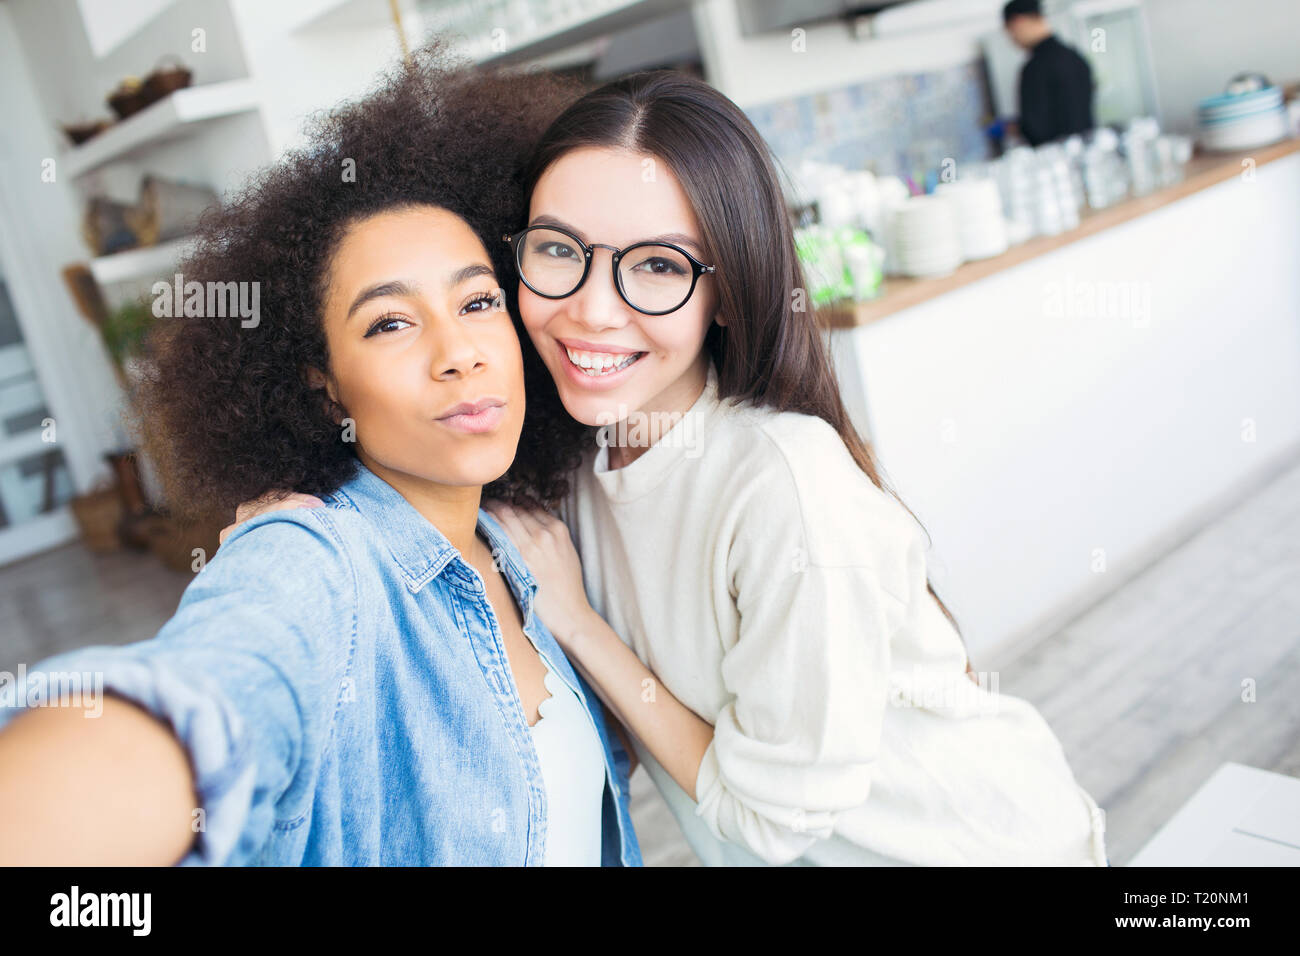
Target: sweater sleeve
(808, 677)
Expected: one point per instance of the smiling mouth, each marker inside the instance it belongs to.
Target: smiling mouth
(597, 364)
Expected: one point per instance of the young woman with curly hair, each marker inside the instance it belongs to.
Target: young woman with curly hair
(364, 683)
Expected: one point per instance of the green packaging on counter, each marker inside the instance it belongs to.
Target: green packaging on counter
(839, 264)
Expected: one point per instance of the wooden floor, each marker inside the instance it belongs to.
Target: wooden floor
(1144, 689)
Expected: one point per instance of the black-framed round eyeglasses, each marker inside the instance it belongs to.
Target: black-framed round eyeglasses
(654, 278)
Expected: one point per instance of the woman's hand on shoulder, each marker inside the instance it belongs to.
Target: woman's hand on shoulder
(544, 543)
(271, 501)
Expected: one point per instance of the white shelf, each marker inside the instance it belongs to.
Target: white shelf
(156, 262)
(170, 117)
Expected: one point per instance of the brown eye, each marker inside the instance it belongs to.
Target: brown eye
(385, 323)
(484, 303)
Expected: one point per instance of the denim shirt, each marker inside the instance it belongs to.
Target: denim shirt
(339, 680)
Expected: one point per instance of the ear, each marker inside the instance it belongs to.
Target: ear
(319, 380)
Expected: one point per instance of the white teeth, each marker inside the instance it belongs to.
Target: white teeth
(601, 363)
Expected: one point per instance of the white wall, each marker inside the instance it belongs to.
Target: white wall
(304, 69)
(1025, 436)
(109, 22)
(1198, 45)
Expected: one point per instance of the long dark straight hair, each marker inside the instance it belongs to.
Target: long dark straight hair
(770, 352)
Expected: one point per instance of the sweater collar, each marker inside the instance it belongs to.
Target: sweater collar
(684, 440)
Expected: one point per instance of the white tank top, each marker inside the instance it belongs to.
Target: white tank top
(573, 768)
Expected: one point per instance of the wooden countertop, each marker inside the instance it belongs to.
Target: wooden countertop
(898, 293)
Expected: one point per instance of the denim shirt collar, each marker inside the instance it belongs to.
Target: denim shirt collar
(419, 549)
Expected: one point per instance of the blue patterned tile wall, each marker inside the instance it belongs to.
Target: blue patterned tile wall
(891, 125)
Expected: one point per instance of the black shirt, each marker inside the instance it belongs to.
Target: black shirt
(1055, 93)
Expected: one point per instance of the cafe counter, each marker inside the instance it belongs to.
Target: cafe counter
(1059, 415)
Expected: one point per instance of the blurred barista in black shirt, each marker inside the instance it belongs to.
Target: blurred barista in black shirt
(1056, 82)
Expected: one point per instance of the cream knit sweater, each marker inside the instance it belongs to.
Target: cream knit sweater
(781, 596)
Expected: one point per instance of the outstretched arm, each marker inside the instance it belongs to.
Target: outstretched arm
(78, 789)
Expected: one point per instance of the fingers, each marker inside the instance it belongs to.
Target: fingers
(533, 524)
(275, 501)
(271, 501)
(512, 523)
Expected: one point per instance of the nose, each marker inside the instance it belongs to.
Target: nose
(455, 352)
(597, 306)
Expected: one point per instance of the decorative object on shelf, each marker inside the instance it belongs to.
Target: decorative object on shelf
(168, 76)
(106, 226)
(79, 133)
(134, 94)
(85, 292)
(128, 98)
(168, 210)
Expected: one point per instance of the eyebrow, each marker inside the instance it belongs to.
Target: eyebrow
(675, 238)
(402, 288)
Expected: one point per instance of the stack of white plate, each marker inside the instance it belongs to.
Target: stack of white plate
(981, 230)
(925, 237)
(1242, 121)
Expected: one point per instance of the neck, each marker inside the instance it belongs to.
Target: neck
(452, 509)
(644, 427)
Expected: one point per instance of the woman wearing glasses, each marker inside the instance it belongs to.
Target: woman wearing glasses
(755, 608)
(751, 600)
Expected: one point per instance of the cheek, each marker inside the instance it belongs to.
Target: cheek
(684, 333)
(534, 311)
(379, 401)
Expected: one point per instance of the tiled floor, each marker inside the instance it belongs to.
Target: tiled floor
(1144, 689)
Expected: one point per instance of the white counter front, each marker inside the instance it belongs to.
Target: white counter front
(1057, 424)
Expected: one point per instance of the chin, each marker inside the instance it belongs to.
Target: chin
(595, 410)
(480, 469)
(455, 467)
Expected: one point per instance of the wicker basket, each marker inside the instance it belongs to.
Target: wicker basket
(79, 133)
(166, 79)
(98, 515)
(128, 98)
(168, 210)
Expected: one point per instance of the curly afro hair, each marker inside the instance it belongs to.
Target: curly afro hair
(227, 413)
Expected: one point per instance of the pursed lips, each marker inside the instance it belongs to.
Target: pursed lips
(475, 417)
